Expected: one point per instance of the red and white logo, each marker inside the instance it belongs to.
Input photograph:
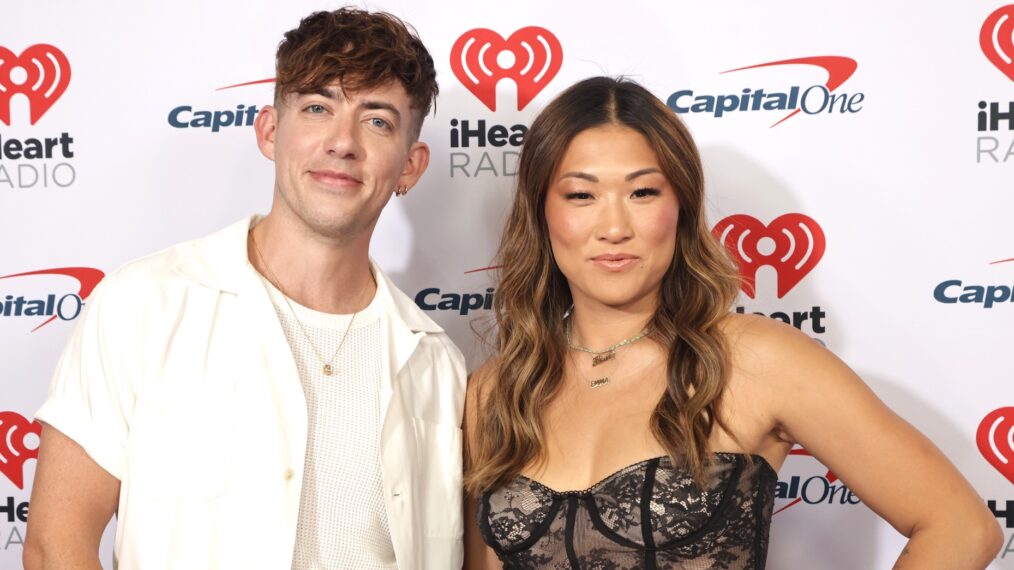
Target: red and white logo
(997, 39)
(14, 446)
(531, 57)
(995, 438)
(65, 306)
(41, 73)
(809, 487)
(839, 69)
(792, 244)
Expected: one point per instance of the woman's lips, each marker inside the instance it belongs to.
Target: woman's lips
(615, 261)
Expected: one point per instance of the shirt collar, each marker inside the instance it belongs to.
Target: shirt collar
(220, 261)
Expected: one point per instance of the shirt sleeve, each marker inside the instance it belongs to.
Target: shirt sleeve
(91, 394)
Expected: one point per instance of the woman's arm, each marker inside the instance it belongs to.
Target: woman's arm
(817, 401)
(478, 556)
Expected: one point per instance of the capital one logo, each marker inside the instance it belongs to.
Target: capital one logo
(996, 38)
(815, 99)
(792, 244)
(66, 307)
(41, 73)
(14, 446)
(814, 489)
(531, 57)
(995, 438)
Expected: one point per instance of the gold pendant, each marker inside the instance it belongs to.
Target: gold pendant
(603, 357)
(327, 370)
(599, 382)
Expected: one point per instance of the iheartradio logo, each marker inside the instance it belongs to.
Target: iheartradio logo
(41, 73)
(792, 244)
(997, 39)
(531, 57)
(14, 449)
(995, 438)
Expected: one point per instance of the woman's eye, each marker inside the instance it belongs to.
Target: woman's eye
(645, 192)
(578, 196)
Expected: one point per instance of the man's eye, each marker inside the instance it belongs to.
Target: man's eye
(315, 109)
(379, 123)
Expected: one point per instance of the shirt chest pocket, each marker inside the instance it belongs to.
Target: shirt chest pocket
(182, 443)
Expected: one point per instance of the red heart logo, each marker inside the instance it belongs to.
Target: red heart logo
(44, 77)
(996, 440)
(531, 57)
(795, 245)
(14, 428)
(997, 39)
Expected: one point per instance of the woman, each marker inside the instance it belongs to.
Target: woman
(628, 419)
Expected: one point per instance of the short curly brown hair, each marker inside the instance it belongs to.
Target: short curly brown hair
(360, 50)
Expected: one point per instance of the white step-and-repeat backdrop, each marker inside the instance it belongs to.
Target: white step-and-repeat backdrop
(859, 155)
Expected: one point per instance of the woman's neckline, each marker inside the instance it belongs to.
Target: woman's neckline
(632, 466)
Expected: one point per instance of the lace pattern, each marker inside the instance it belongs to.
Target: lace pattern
(648, 515)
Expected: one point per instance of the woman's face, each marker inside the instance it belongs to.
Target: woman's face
(612, 218)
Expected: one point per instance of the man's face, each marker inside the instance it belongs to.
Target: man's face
(338, 159)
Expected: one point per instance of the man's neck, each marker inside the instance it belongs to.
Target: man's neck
(311, 270)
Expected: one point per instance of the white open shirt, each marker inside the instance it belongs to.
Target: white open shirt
(178, 381)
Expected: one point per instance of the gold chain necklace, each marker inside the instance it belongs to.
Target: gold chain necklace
(600, 356)
(328, 370)
(607, 353)
(592, 383)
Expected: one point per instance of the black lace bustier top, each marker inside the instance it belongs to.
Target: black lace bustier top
(646, 516)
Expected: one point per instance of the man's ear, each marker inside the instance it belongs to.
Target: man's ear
(266, 127)
(415, 165)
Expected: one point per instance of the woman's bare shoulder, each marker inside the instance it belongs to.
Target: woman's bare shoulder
(762, 342)
(476, 394)
(480, 380)
(768, 357)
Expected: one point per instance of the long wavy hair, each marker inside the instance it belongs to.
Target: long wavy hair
(533, 296)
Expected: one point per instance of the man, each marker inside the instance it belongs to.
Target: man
(265, 397)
